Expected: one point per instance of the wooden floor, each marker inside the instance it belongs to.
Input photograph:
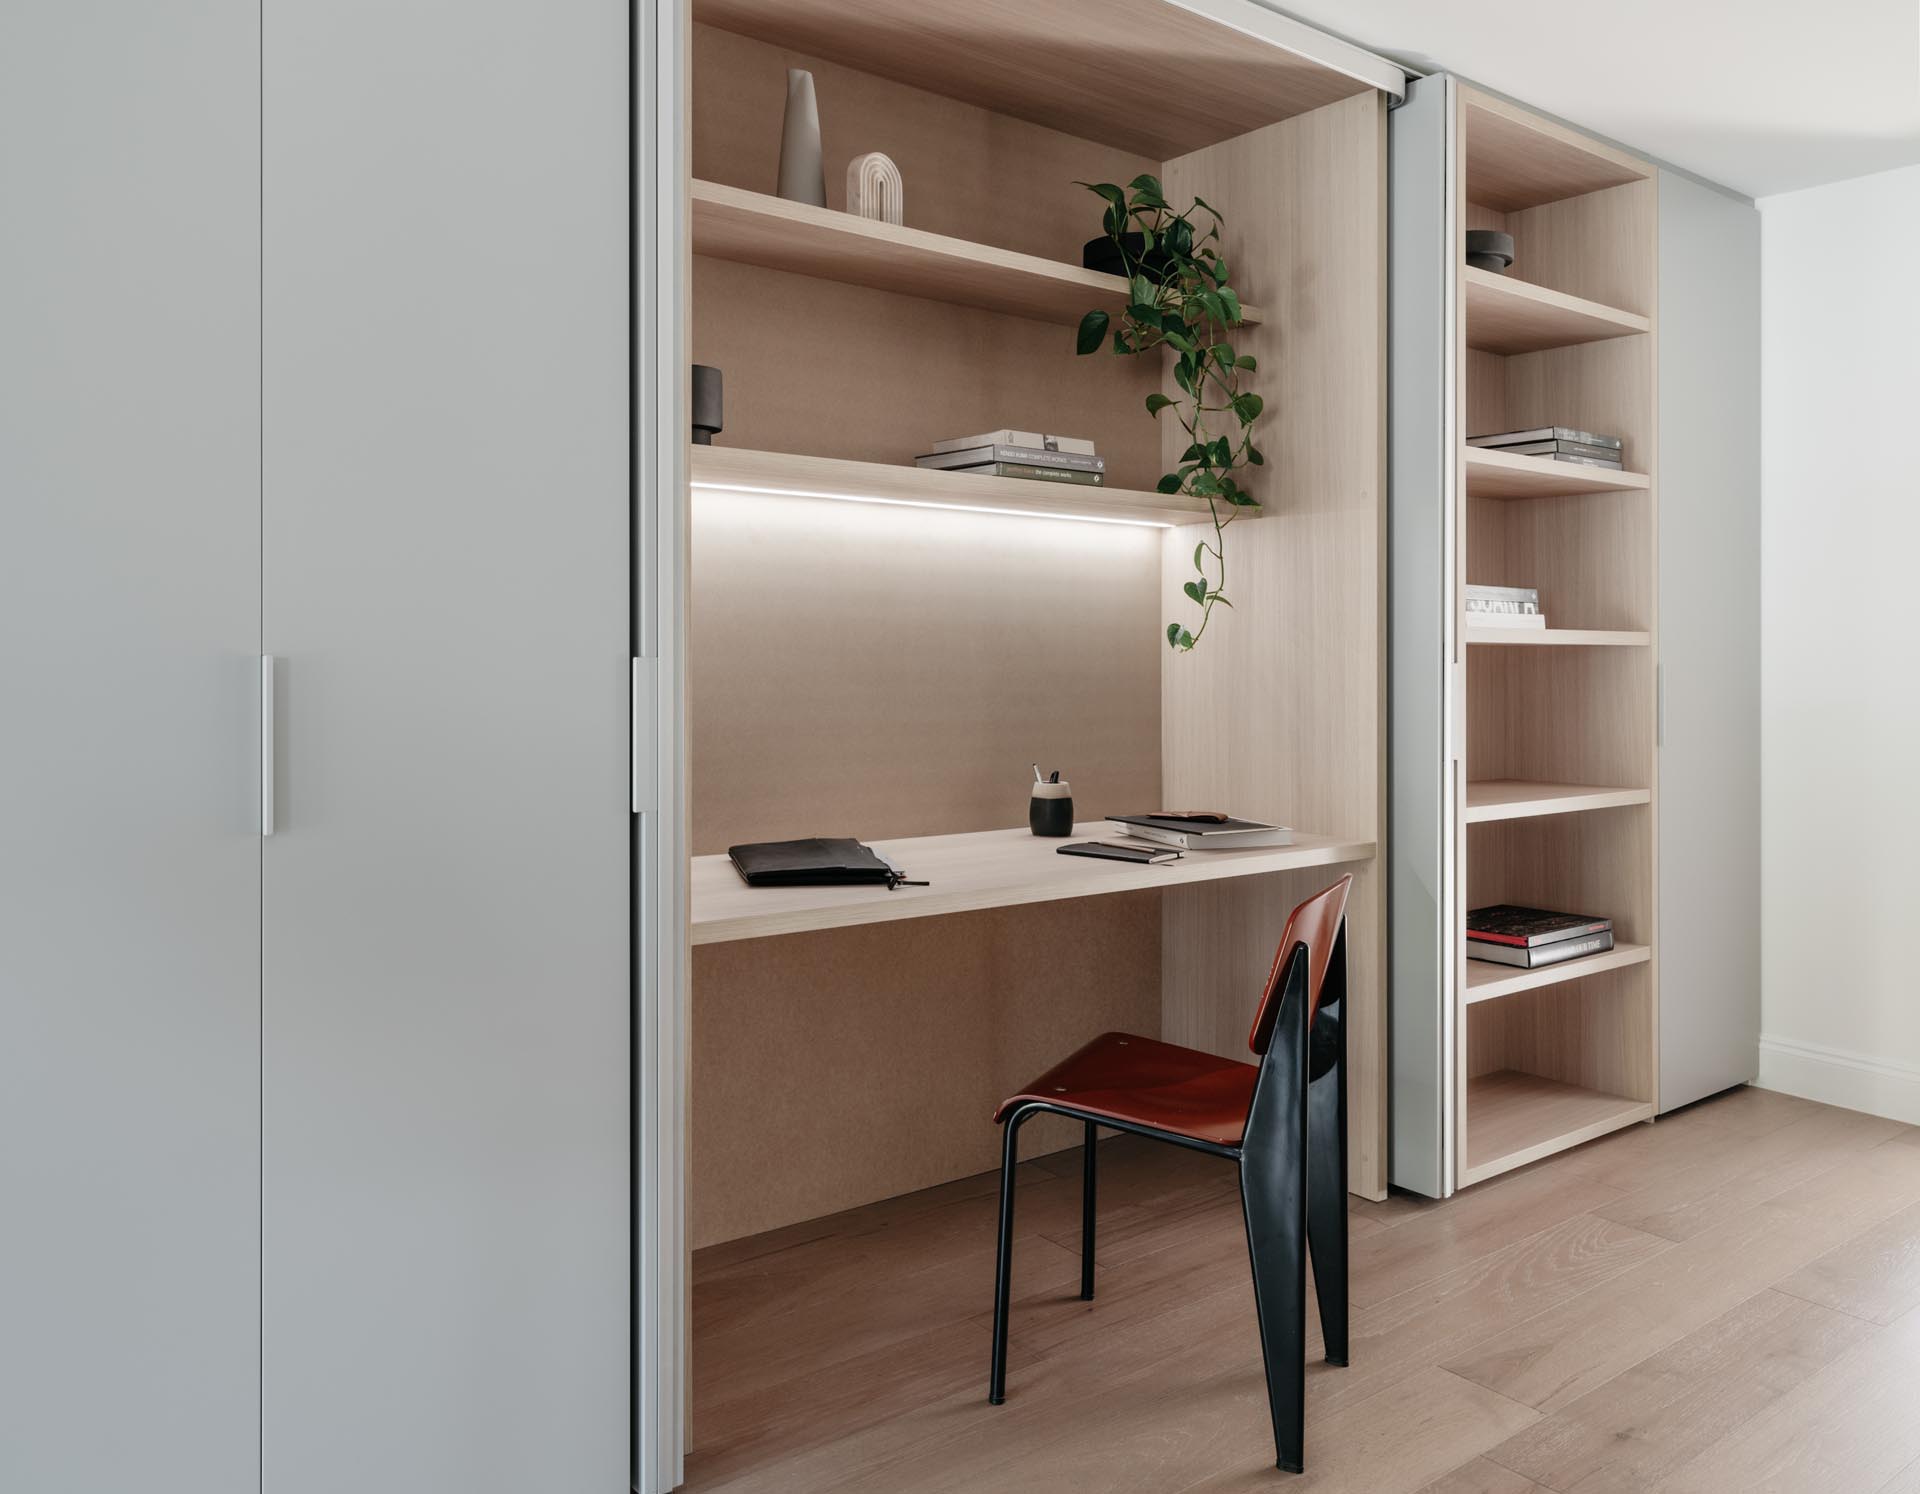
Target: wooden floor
(1728, 1299)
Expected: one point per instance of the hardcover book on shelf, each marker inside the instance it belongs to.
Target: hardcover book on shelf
(1566, 451)
(1034, 439)
(1545, 433)
(1033, 456)
(1508, 934)
(1546, 954)
(1201, 830)
(1042, 474)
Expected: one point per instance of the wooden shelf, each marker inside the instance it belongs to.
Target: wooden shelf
(780, 474)
(1515, 159)
(1512, 316)
(1515, 1118)
(1500, 474)
(1558, 637)
(1488, 981)
(1516, 799)
(1084, 69)
(988, 869)
(755, 229)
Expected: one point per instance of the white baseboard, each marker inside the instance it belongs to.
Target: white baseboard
(1852, 1081)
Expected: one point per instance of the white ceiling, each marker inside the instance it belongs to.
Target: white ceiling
(1763, 96)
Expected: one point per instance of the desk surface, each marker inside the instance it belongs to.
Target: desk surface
(986, 869)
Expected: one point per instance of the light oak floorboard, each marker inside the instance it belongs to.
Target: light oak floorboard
(1515, 1338)
(1851, 1426)
(1562, 1354)
(1670, 1407)
(1483, 1476)
(1875, 1275)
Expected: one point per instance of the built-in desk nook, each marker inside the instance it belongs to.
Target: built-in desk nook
(881, 651)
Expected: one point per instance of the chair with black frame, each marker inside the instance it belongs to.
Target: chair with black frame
(1283, 1121)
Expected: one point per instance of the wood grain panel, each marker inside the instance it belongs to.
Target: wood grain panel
(1278, 713)
(1074, 65)
(967, 171)
(1516, 159)
(884, 672)
(837, 1068)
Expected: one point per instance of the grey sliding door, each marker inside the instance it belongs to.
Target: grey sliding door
(446, 981)
(1709, 640)
(129, 721)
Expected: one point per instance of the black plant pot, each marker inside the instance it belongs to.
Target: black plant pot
(708, 407)
(1103, 254)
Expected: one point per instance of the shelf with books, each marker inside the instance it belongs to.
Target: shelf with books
(1514, 1118)
(1513, 799)
(784, 475)
(1497, 634)
(1505, 315)
(753, 228)
(1487, 981)
(1500, 474)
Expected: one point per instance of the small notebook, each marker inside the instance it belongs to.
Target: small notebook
(1106, 850)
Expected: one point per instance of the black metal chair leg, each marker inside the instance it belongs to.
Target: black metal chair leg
(1273, 1193)
(1327, 1172)
(1086, 1214)
(1003, 1269)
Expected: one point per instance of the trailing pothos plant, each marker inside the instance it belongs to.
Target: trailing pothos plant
(1180, 298)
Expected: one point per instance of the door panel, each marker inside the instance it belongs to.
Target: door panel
(129, 847)
(1423, 772)
(1709, 640)
(447, 1300)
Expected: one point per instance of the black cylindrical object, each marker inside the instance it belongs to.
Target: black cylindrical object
(1489, 249)
(708, 406)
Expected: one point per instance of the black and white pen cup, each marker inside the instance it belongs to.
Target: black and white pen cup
(1050, 810)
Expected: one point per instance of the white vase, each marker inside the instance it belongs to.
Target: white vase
(802, 176)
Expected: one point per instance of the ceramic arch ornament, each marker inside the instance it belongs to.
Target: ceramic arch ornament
(874, 189)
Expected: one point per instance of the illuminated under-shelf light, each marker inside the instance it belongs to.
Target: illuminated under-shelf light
(969, 508)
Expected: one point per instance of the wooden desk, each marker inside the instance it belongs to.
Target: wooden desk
(986, 869)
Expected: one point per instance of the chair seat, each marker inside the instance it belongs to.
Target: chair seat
(1121, 1077)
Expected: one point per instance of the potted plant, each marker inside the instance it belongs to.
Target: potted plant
(1180, 298)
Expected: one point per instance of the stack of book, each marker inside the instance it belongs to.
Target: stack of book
(1200, 830)
(1533, 937)
(1504, 607)
(1020, 454)
(1558, 442)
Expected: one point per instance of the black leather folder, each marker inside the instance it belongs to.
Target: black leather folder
(811, 863)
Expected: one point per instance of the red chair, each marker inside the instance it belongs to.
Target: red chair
(1283, 1121)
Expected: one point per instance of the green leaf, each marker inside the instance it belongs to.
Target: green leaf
(1173, 635)
(1146, 239)
(1156, 403)
(1196, 591)
(1199, 550)
(1222, 453)
(1223, 354)
(1107, 190)
(1248, 405)
(1194, 453)
(1145, 182)
(1254, 458)
(1185, 641)
(1093, 332)
(1231, 301)
(1182, 377)
(1246, 361)
(1115, 221)
(1169, 483)
(1201, 202)
(1141, 290)
(1181, 341)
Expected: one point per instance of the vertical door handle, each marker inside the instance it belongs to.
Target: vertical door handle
(266, 744)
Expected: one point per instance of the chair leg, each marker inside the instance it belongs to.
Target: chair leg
(1003, 1269)
(1273, 1193)
(1086, 1215)
(1327, 1176)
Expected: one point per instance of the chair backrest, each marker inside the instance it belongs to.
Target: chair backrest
(1316, 924)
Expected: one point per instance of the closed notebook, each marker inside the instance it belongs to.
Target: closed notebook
(812, 863)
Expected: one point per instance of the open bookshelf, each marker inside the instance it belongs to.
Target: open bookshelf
(1559, 807)
(878, 650)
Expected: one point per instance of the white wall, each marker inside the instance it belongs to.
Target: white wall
(1840, 651)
